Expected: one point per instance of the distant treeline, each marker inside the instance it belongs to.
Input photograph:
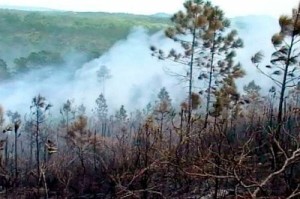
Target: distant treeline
(32, 37)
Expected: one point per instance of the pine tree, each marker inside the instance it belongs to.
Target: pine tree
(252, 89)
(39, 108)
(284, 61)
(4, 73)
(101, 108)
(103, 74)
(81, 110)
(101, 112)
(68, 113)
(207, 43)
(163, 109)
(15, 119)
(227, 98)
(253, 98)
(80, 139)
(121, 114)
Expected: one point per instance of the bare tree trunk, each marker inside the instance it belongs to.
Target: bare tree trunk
(37, 152)
(94, 150)
(284, 81)
(190, 90)
(16, 154)
(210, 80)
(31, 150)
(280, 120)
(6, 151)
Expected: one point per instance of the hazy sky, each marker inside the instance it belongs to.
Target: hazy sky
(231, 7)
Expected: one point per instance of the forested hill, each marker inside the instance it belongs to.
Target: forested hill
(33, 39)
(59, 33)
(93, 32)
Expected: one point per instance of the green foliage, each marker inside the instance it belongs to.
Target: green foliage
(121, 114)
(163, 95)
(81, 110)
(91, 33)
(44, 58)
(257, 58)
(68, 113)
(164, 104)
(39, 104)
(252, 88)
(36, 39)
(38, 59)
(101, 107)
(4, 73)
(20, 64)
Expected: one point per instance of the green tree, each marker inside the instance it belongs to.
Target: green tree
(101, 108)
(121, 114)
(101, 112)
(163, 109)
(253, 97)
(103, 75)
(252, 89)
(44, 58)
(4, 74)
(68, 113)
(81, 110)
(20, 64)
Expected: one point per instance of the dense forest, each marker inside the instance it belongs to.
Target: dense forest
(218, 142)
(32, 39)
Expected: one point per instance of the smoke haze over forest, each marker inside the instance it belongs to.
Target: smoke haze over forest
(136, 76)
(118, 105)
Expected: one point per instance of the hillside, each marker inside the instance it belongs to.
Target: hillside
(92, 106)
(62, 33)
(93, 32)
(33, 39)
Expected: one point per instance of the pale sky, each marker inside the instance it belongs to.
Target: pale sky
(231, 7)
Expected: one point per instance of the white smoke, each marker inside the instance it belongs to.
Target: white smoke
(136, 76)
(256, 32)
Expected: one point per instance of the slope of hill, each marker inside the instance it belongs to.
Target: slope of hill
(30, 39)
(22, 32)
(135, 74)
